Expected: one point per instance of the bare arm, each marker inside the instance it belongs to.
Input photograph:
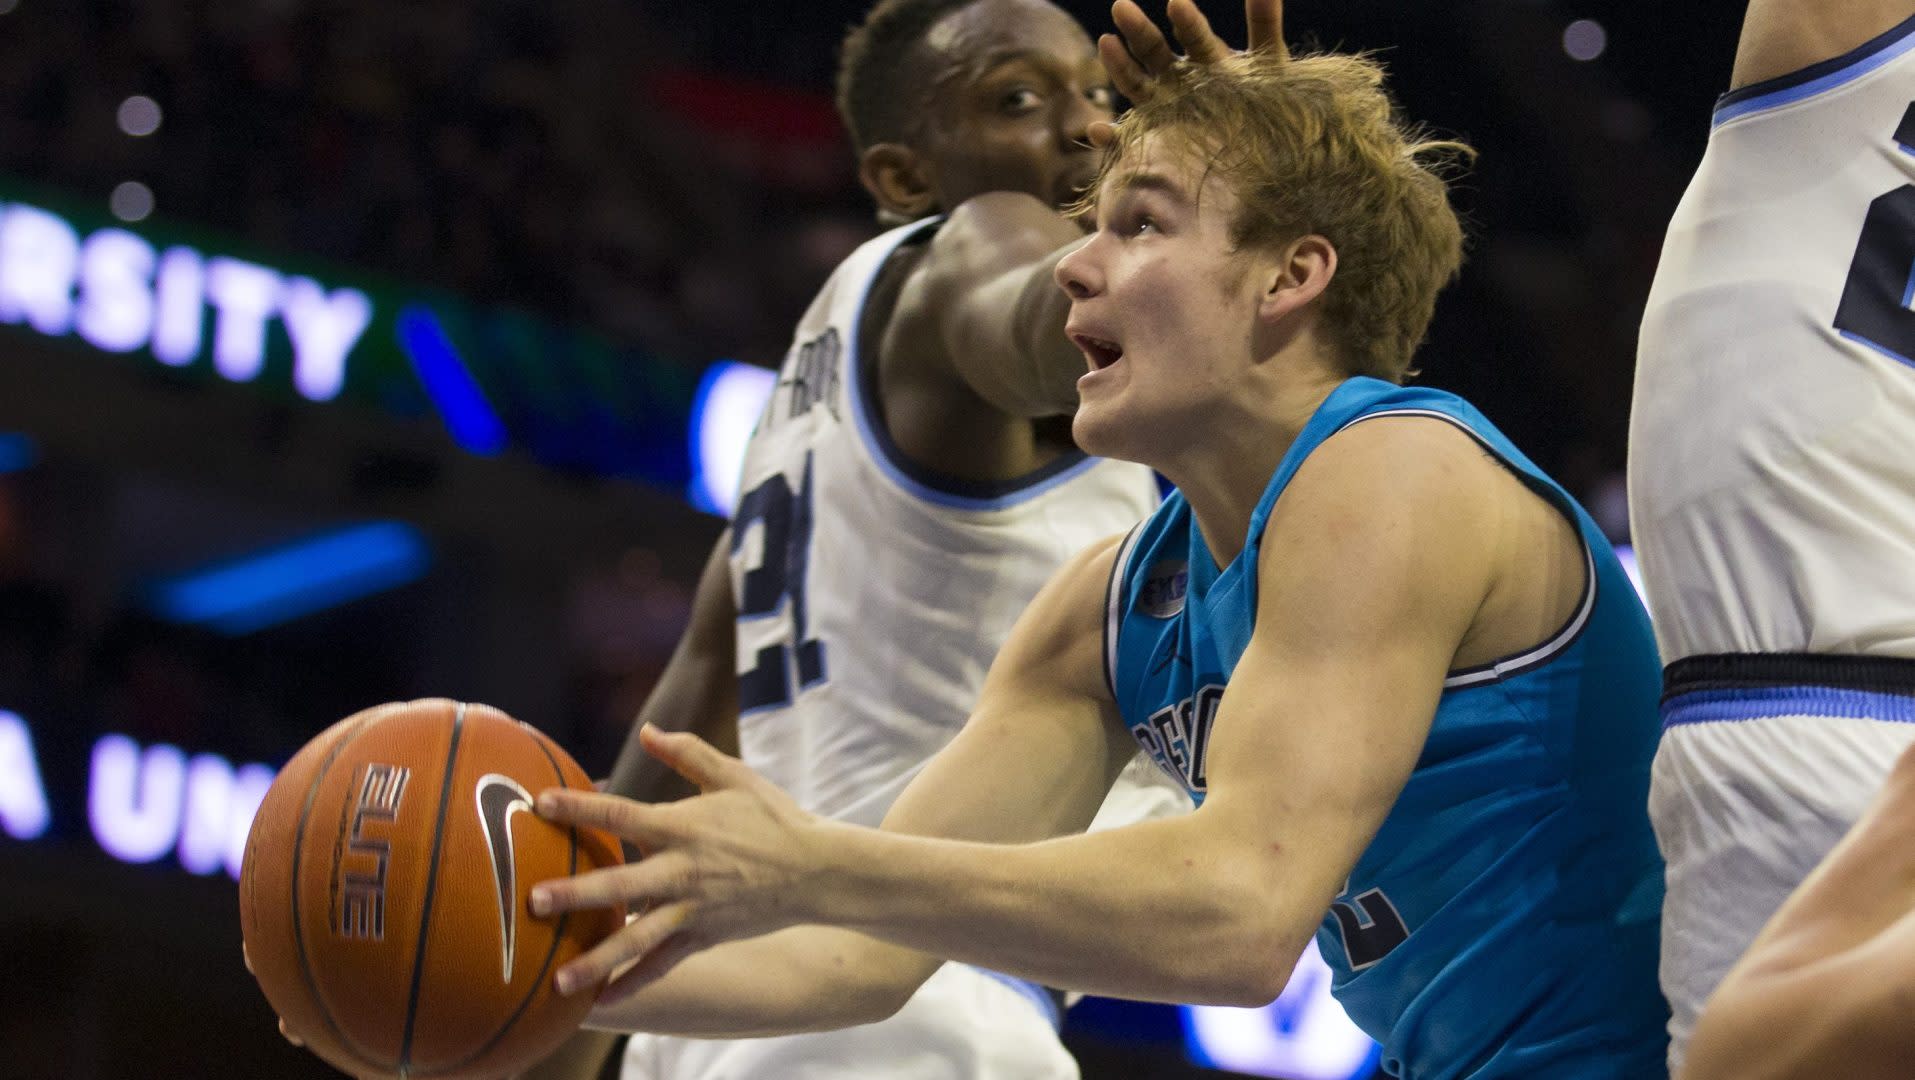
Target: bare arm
(1827, 988)
(698, 692)
(1369, 582)
(989, 278)
(1370, 579)
(1781, 37)
(816, 977)
(987, 282)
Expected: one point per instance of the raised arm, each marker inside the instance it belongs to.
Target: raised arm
(1781, 37)
(986, 284)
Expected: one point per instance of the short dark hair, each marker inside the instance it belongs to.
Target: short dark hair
(879, 88)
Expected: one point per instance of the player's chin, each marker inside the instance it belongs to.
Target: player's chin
(1098, 429)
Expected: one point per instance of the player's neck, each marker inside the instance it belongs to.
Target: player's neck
(1224, 469)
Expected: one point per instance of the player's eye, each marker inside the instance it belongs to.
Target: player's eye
(1022, 99)
(1103, 97)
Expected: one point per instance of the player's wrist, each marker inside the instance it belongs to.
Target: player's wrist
(840, 876)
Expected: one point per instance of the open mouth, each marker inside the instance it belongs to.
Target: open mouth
(1099, 352)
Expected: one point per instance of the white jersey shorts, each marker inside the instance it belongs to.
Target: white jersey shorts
(964, 1023)
(1766, 761)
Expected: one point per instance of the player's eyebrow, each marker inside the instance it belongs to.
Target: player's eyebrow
(988, 63)
(1147, 181)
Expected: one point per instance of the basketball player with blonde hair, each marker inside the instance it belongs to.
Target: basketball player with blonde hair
(1400, 669)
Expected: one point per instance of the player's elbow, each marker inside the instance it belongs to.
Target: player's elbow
(1259, 976)
(874, 1000)
(1246, 963)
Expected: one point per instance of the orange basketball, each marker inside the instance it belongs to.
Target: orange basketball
(383, 894)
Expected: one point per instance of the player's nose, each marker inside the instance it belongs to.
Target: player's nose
(1077, 273)
(1075, 116)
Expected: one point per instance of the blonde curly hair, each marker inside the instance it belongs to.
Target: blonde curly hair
(1313, 144)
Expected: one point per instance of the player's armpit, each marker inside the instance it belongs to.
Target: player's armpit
(987, 282)
(1781, 37)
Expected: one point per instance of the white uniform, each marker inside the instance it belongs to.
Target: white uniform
(872, 598)
(1772, 492)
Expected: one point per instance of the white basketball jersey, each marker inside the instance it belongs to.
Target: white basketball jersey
(1772, 446)
(872, 597)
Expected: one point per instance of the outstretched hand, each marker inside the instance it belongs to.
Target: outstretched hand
(728, 863)
(1142, 55)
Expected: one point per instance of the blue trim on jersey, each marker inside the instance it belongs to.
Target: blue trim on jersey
(1038, 995)
(1761, 703)
(1878, 347)
(950, 492)
(1817, 78)
(1503, 920)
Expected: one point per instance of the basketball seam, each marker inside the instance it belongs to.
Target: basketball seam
(558, 936)
(432, 884)
(299, 930)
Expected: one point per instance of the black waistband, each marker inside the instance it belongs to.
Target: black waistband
(1741, 671)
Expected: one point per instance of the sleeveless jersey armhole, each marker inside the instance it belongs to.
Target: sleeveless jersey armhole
(1114, 606)
(1572, 628)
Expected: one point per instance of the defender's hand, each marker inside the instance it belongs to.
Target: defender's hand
(732, 862)
(1142, 55)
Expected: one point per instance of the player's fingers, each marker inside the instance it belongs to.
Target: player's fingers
(1265, 18)
(638, 938)
(287, 1033)
(1193, 31)
(634, 884)
(694, 759)
(641, 823)
(1126, 75)
(650, 968)
(1142, 37)
(246, 957)
(1101, 133)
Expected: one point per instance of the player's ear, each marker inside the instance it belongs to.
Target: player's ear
(899, 179)
(1298, 274)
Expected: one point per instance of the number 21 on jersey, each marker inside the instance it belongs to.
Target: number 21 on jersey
(775, 585)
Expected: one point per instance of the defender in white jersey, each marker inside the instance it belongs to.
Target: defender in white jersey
(1772, 474)
(909, 488)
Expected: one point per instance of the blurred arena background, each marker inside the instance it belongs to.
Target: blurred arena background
(356, 351)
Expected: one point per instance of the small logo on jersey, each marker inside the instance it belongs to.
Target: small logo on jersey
(1162, 594)
(812, 375)
(1177, 737)
(500, 797)
(361, 893)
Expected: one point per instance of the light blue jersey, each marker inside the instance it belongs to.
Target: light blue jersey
(1503, 922)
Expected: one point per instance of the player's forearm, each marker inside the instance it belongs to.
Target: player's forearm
(697, 692)
(1052, 363)
(1158, 911)
(808, 978)
(1838, 1020)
